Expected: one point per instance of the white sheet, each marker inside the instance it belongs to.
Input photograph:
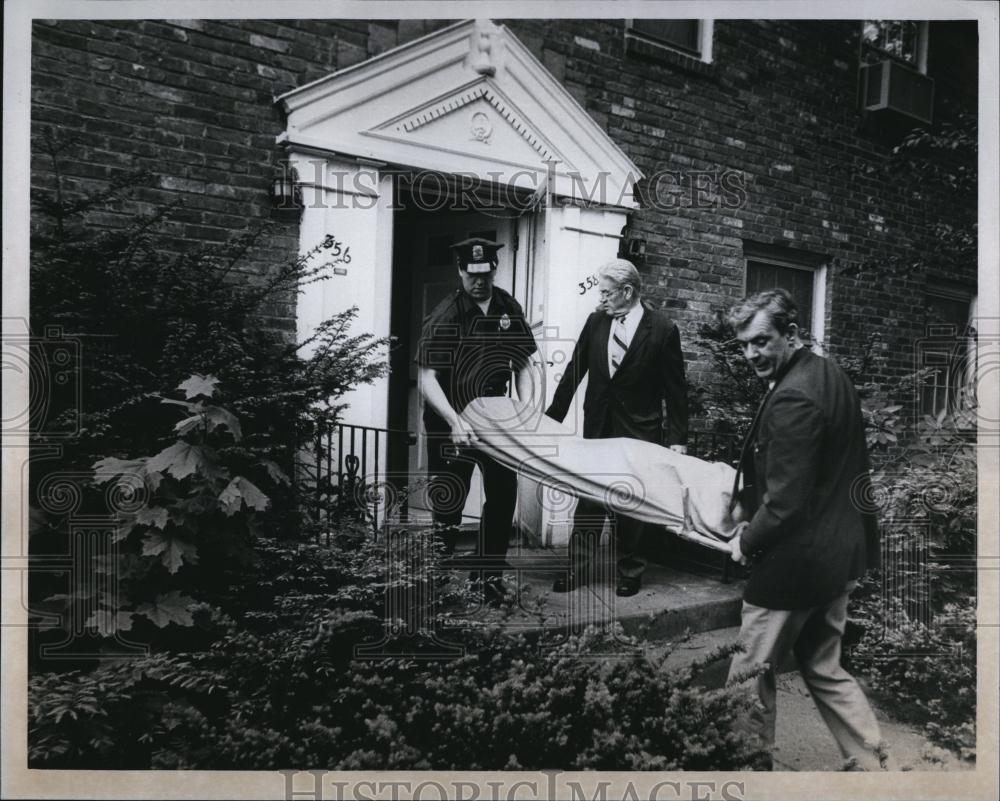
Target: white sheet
(645, 481)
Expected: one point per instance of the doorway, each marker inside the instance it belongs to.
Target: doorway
(424, 274)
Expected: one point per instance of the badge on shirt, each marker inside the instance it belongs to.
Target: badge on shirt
(504, 322)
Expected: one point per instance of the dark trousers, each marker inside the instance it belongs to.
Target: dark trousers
(588, 520)
(449, 489)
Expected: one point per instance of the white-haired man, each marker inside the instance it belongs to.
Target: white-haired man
(632, 354)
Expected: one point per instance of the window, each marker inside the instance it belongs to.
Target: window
(948, 353)
(902, 40)
(690, 37)
(802, 274)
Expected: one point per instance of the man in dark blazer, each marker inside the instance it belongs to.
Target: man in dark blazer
(802, 479)
(632, 355)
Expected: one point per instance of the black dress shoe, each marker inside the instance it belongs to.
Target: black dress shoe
(567, 583)
(627, 586)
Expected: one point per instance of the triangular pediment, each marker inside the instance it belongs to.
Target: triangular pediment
(473, 119)
(467, 99)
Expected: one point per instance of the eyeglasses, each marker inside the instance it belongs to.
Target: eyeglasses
(604, 294)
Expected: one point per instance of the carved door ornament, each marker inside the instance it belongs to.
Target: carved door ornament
(481, 127)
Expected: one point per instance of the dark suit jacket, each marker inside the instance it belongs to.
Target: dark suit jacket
(806, 465)
(629, 403)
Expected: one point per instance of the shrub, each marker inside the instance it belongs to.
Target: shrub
(185, 534)
(917, 615)
(282, 689)
(732, 397)
(926, 674)
(150, 317)
(265, 702)
(927, 503)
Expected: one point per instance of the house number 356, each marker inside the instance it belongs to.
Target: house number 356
(340, 254)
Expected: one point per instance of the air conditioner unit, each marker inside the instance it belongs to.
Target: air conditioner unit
(890, 86)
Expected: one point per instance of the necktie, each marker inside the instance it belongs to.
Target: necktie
(618, 344)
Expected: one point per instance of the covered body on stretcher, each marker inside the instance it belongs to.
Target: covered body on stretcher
(689, 496)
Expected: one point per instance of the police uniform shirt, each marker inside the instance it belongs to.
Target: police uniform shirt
(473, 353)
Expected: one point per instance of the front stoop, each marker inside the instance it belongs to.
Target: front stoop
(669, 604)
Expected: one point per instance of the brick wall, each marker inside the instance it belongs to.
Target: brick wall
(779, 105)
(193, 101)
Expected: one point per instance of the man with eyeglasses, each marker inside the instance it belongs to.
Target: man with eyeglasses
(632, 355)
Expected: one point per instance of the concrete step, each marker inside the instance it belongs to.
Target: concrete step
(669, 603)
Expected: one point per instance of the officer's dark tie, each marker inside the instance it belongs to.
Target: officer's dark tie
(618, 344)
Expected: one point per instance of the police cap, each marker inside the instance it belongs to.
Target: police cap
(476, 255)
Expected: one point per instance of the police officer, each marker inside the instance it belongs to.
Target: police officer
(470, 345)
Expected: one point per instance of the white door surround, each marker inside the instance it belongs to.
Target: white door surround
(466, 104)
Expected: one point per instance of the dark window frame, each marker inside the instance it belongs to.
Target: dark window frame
(813, 264)
(648, 43)
(951, 347)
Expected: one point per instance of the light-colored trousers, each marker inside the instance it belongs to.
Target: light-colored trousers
(813, 635)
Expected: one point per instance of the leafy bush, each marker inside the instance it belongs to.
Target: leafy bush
(187, 530)
(927, 503)
(731, 399)
(282, 689)
(917, 615)
(148, 317)
(925, 674)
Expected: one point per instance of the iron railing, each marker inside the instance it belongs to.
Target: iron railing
(351, 480)
(353, 484)
(715, 446)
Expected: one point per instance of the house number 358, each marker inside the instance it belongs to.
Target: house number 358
(587, 284)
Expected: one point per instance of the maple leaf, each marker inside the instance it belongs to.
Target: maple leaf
(108, 622)
(217, 416)
(199, 385)
(240, 491)
(169, 608)
(153, 477)
(181, 460)
(155, 516)
(151, 517)
(210, 417)
(275, 472)
(172, 552)
(189, 424)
